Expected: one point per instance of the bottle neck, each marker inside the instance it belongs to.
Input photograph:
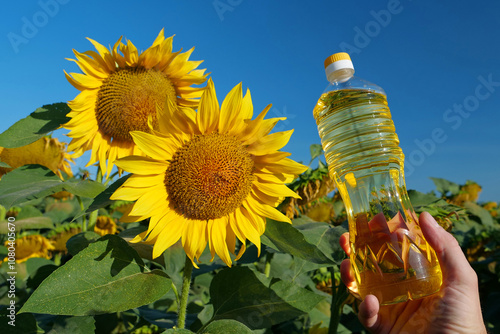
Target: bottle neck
(339, 76)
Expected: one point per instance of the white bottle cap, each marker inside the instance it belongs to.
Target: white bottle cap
(338, 61)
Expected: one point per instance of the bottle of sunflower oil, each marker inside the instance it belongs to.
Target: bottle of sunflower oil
(389, 255)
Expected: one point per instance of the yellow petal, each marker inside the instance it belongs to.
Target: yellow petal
(126, 194)
(242, 223)
(217, 237)
(142, 165)
(254, 125)
(273, 189)
(264, 210)
(264, 128)
(271, 158)
(207, 116)
(150, 200)
(168, 237)
(284, 166)
(153, 146)
(194, 238)
(270, 143)
(144, 181)
(230, 108)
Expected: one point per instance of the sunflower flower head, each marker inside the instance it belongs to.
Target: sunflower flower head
(48, 152)
(119, 91)
(208, 177)
(32, 246)
(60, 236)
(105, 225)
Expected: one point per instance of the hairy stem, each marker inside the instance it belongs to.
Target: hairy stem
(186, 283)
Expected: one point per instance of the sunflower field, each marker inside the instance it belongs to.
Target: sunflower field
(189, 217)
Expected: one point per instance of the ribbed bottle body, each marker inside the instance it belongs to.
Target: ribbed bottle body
(389, 255)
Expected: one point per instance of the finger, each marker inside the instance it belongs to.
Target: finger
(347, 277)
(346, 273)
(344, 243)
(451, 258)
(368, 313)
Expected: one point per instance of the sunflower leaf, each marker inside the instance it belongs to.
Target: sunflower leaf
(314, 242)
(31, 223)
(227, 326)
(257, 301)
(35, 181)
(103, 199)
(107, 276)
(40, 122)
(316, 151)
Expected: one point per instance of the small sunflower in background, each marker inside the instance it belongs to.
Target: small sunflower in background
(48, 152)
(60, 236)
(105, 225)
(120, 90)
(32, 246)
(211, 176)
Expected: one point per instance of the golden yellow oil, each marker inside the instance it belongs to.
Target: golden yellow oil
(392, 262)
(389, 255)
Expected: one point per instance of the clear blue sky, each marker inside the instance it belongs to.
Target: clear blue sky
(439, 63)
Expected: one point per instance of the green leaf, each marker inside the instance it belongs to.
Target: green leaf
(79, 242)
(326, 238)
(40, 122)
(258, 302)
(420, 199)
(39, 275)
(102, 200)
(445, 186)
(107, 276)
(73, 325)
(28, 211)
(480, 212)
(83, 188)
(286, 238)
(227, 326)
(28, 224)
(177, 331)
(316, 151)
(174, 259)
(4, 165)
(34, 181)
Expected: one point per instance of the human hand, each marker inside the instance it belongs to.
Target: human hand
(454, 309)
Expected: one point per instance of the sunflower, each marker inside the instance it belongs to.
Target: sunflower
(60, 236)
(211, 176)
(32, 246)
(105, 225)
(120, 89)
(48, 152)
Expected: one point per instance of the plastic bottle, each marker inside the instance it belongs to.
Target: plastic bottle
(389, 255)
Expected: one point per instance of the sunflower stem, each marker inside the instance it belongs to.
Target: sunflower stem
(84, 217)
(186, 283)
(339, 294)
(98, 176)
(267, 268)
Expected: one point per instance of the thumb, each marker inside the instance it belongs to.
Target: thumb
(451, 258)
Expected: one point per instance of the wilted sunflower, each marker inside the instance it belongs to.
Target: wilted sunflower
(60, 236)
(120, 89)
(48, 152)
(105, 225)
(32, 246)
(209, 176)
